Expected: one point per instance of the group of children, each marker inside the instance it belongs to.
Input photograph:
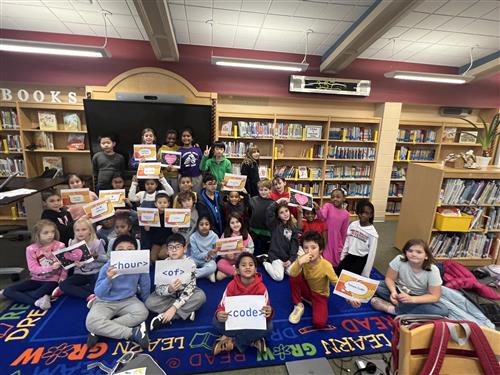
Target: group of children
(311, 246)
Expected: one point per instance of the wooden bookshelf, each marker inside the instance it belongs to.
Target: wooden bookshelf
(418, 213)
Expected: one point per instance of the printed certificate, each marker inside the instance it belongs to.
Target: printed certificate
(229, 245)
(117, 197)
(99, 210)
(149, 170)
(355, 287)
(148, 217)
(145, 152)
(75, 196)
(177, 217)
(234, 182)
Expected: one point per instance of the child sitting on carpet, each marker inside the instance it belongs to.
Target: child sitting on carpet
(117, 312)
(261, 235)
(246, 281)
(81, 284)
(76, 182)
(310, 276)
(45, 270)
(202, 245)
(55, 212)
(412, 283)
(235, 227)
(123, 226)
(176, 300)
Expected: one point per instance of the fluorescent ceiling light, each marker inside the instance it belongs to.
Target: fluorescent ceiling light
(28, 46)
(259, 64)
(429, 77)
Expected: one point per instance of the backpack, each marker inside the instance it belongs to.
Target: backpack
(131, 363)
(456, 276)
(444, 329)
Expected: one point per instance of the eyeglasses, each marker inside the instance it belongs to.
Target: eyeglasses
(175, 247)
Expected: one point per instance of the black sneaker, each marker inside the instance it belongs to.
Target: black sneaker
(262, 258)
(140, 336)
(92, 339)
(156, 322)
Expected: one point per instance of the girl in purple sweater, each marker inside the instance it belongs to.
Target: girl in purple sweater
(46, 272)
(191, 159)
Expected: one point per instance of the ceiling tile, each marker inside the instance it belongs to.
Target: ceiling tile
(413, 34)
(337, 11)
(79, 28)
(300, 23)
(121, 20)
(453, 8)
(92, 18)
(175, 1)
(324, 26)
(56, 4)
(494, 15)
(33, 25)
(68, 15)
(199, 28)
(394, 32)
(177, 11)
(268, 45)
(429, 6)
(483, 27)
(35, 3)
(224, 30)
(315, 38)
(312, 10)
(180, 27)
(27, 12)
(258, 6)
(433, 21)
(276, 22)
(85, 5)
(480, 9)
(355, 13)
(132, 8)
(342, 27)
(380, 43)
(277, 35)
(229, 17)
(369, 52)
(434, 36)
(182, 38)
(198, 14)
(243, 32)
(244, 43)
(115, 7)
(199, 3)
(456, 24)
(284, 7)
(228, 4)
(411, 19)
(129, 33)
(200, 39)
(251, 19)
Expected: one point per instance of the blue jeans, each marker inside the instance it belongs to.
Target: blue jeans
(29, 291)
(435, 308)
(243, 337)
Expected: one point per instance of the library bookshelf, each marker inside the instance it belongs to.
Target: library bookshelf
(314, 154)
(422, 198)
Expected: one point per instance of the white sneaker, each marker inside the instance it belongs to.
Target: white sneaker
(43, 302)
(156, 322)
(296, 314)
(211, 277)
(192, 316)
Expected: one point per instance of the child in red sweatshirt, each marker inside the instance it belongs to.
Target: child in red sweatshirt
(246, 281)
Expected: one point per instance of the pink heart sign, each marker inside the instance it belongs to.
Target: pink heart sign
(74, 255)
(301, 199)
(170, 159)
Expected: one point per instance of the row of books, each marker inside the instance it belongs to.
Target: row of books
(297, 172)
(316, 151)
(398, 172)
(486, 218)
(477, 216)
(451, 245)
(247, 129)
(492, 218)
(348, 171)
(11, 142)
(352, 188)
(480, 192)
(342, 152)
(396, 189)
(313, 189)
(237, 149)
(286, 130)
(404, 153)
(427, 136)
(8, 119)
(393, 207)
(43, 140)
(11, 165)
(355, 133)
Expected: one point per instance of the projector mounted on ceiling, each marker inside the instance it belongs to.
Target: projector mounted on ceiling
(332, 86)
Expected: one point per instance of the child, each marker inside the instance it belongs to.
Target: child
(311, 223)
(55, 212)
(171, 174)
(148, 137)
(280, 191)
(218, 165)
(310, 276)
(211, 199)
(247, 281)
(361, 244)
(250, 168)
(337, 221)
(119, 183)
(234, 228)
(81, 284)
(158, 235)
(117, 312)
(122, 227)
(106, 230)
(202, 245)
(187, 200)
(284, 240)
(236, 202)
(146, 198)
(176, 300)
(258, 206)
(412, 283)
(75, 182)
(190, 159)
(45, 270)
(107, 163)
(185, 185)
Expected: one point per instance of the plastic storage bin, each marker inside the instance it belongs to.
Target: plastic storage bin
(452, 223)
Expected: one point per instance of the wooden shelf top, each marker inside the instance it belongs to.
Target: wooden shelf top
(11, 152)
(467, 205)
(243, 157)
(17, 130)
(460, 144)
(256, 138)
(303, 158)
(61, 151)
(361, 179)
(366, 160)
(51, 106)
(398, 179)
(395, 197)
(418, 143)
(351, 141)
(301, 179)
(9, 218)
(392, 214)
(490, 172)
(55, 131)
(414, 161)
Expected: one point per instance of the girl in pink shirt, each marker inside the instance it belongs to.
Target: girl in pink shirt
(336, 218)
(76, 182)
(46, 272)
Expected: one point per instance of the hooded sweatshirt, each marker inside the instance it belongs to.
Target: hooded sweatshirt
(201, 245)
(284, 239)
(237, 288)
(361, 241)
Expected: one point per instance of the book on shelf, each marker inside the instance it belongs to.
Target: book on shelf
(288, 130)
(11, 165)
(11, 143)
(398, 173)
(309, 188)
(342, 152)
(302, 172)
(76, 141)
(254, 129)
(477, 216)
(21, 209)
(468, 137)
(313, 132)
(43, 140)
(47, 120)
(396, 189)
(404, 153)
(53, 162)
(449, 135)
(264, 171)
(354, 133)
(348, 171)
(237, 149)
(492, 218)
(393, 207)
(471, 244)
(236, 168)
(470, 192)
(226, 128)
(279, 151)
(352, 188)
(71, 121)
(417, 136)
(8, 119)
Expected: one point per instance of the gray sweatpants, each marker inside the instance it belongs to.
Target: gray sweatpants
(116, 319)
(160, 304)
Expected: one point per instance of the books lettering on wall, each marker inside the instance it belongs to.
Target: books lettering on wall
(76, 141)
(8, 119)
(348, 171)
(342, 152)
(451, 245)
(53, 162)
(468, 137)
(11, 165)
(449, 135)
(470, 192)
(47, 120)
(71, 121)
(43, 140)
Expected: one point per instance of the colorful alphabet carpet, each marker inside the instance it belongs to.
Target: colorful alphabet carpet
(52, 342)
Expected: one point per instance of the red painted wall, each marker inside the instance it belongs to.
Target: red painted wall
(195, 66)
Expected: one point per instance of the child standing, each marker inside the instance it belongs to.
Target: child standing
(211, 199)
(148, 137)
(176, 300)
(412, 283)
(235, 227)
(361, 244)
(218, 165)
(258, 207)
(247, 281)
(280, 191)
(190, 159)
(81, 284)
(76, 182)
(55, 212)
(171, 174)
(202, 245)
(185, 185)
(117, 312)
(284, 240)
(45, 270)
(107, 163)
(187, 201)
(250, 168)
(310, 278)
(337, 221)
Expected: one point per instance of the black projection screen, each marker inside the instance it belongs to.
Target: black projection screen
(126, 120)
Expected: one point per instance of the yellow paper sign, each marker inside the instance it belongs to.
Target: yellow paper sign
(177, 217)
(75, 196)
(99, 210)
(234, 182)
(145, 152)
(149, 170)
(148, 217)
(229, 245)
(355, 287)
(117, 197)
